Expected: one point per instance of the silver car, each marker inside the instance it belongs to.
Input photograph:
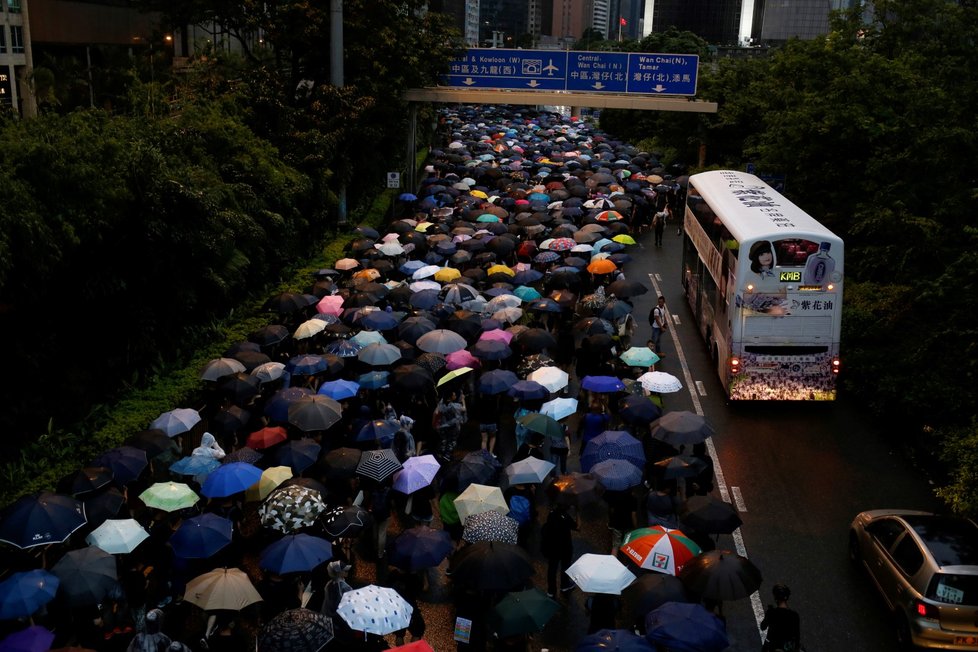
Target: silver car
(926, 567)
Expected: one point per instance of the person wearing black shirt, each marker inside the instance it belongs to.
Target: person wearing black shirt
(783, 625)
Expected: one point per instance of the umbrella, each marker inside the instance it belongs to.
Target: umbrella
(169, 496)
(497, 381)
(553, 378)
(686, 627)
(277, 407)
(22, 594)
(379, 355)
(315, 412)
(296, 630)
(344, 348)
(375, 609)
(222, 588)
(306, 365)
(601, 266)
(154, 442)
(477, 467)
(659, 549)
(381, 430)
(201, 536)
(417, 473)
(267, 437)
(491, 526)
(619, 640)
(420, 547)
(240, 388)
(491, 350)
(530, 470)
(298, 454)
(126, 462)
(721, 575)
(230, 479)
(243, 454)
(378, 465)
(491, 566)
(270, 479)
(291, 509)
(286, 302)
(639, 356)
(339, 389)
(346, 264)
(295, 553)
(541, 423)
(309, 329)
(41, 518)
(365, 338)
(117, 536)
(660, 382)
(195, 465)
(478, 498)
(374, 379)
(32, 639)
(176, 422)
(269, 335)
(617, 475)
(268, 372)
(709, 515)
(86, 575)
(342, 462)
(600, 574)
(534, 340)
(559, 408)
(447, 274)
(682, 428)
(460, 359)
(528, 390)
(653, 590)
(521, 613)
(441, 341)
(457, 293)
(103, 504)
(345, 521)
(679, 466)
(613, 445)
(639, 410)
(626, 288)
(576, 489)
(602, 384)
(526, 293)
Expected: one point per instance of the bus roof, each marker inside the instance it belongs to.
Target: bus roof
(751, 209)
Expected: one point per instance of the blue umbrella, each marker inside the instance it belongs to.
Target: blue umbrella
(381, 430)
(685, 627)
(545, 304)
(406, 196)
(420, 547)
(411, 266)
(491, 350)
(201, 536)
(230, 479)
(528, 390)
(546, 257)
(33, 639)
(374, 379)
(295, 553)
(497, 381)
(613, 445)
(617, 475)
(620, 640)
(339, 389)
(602, 384)
(379, 320)
(306, 365)
(526, 293)
(22, 594)
(639, 410)
(277, 408)
(195, 465)
(126, 462)
(343, 348)
(527, 276)
(41, 518)
(299, 454)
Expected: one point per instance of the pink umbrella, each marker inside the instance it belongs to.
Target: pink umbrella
(331, 304)
(459, 359)
(497, 335)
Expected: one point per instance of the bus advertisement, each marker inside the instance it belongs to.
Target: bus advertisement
(764, 282)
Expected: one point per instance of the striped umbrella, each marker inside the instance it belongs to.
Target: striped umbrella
(659, 549)
(378, 465)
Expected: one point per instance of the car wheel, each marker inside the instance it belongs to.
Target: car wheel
(903, 637)
(854, 555)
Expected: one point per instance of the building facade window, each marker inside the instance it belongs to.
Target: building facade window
(16, 39)
(13, 6)
(3, 40)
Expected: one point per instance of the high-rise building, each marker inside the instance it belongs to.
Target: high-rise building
(465, 15)
(717, 21)
(510, 17)
(600, 18)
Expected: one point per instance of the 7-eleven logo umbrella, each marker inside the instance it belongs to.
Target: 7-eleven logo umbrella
(659, 548)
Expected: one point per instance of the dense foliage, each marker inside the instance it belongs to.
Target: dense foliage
(874, 127)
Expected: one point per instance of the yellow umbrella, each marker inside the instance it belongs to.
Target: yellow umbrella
(447, 274)
(479, 194)
(424, 226)
(500, 269)
(624, 239)
(270, 479)
(478, 498)
(224, 588)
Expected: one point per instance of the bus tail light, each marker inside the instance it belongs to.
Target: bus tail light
(836, 364)
(734, 366)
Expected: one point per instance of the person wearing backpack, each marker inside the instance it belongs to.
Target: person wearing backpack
(659, 224)
(658, 320)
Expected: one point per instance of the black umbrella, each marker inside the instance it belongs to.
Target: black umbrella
(39, 519)
(491, 566)
(287, 302)
(414, 327)
(477, 467)
(243, 454)
(86, 575)
(251, 359)
(86, 480)
(679, 466)
(154, 442)
(378, 465)
(270, 335)
(576, 489)
(721, 575)
(534, 340)
(240, 387)
(652, 590)
(102, 504)
(296, 630)
(316, 412)
(126, 462)
(344, 522)
(342, 462)
(709, 515)
(298, 454)
(231, 419)
(625, 288)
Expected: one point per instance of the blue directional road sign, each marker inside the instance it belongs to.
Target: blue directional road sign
(561, 70)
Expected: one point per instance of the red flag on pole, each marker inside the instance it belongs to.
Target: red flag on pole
(622, 21)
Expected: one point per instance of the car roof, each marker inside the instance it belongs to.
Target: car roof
(951, 541)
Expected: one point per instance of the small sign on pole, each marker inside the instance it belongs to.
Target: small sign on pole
(393, 179)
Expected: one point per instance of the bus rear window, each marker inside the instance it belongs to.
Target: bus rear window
(793, 252)
(954, 589)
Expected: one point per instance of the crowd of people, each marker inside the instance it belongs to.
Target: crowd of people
(490, 324)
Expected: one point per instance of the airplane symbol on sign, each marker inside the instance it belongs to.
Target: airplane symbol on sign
(551, 68)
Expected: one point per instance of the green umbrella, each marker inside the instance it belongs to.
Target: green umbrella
(169, 496)
(447, 509)
(543, 424)
(639, 356)
(453, 374)
(522, 613)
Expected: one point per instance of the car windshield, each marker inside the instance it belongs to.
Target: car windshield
(951, 541)
(954, 589)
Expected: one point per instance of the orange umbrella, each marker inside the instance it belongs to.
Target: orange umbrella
(601, 266)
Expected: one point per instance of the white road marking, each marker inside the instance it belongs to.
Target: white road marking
(755, 599)
(700, 388)
(738, 499)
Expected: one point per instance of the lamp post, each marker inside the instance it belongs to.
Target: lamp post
(336, 79)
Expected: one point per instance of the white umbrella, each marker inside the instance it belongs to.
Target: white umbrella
(309, 328)
(418, 286)
(559, 408)
(504, 301)
(375, 609)
(269, 371)
(117, 536)
(223, 588)
(478, 498)
(600, 574)
(390, 248)
(660, 382)
(553, 378)
(509, 315)
(221, 367)
(530, 470)
(425, 272)
(176, 422)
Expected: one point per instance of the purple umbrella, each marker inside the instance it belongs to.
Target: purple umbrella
(33, 639)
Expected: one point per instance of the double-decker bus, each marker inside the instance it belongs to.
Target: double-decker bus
(764, 281)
